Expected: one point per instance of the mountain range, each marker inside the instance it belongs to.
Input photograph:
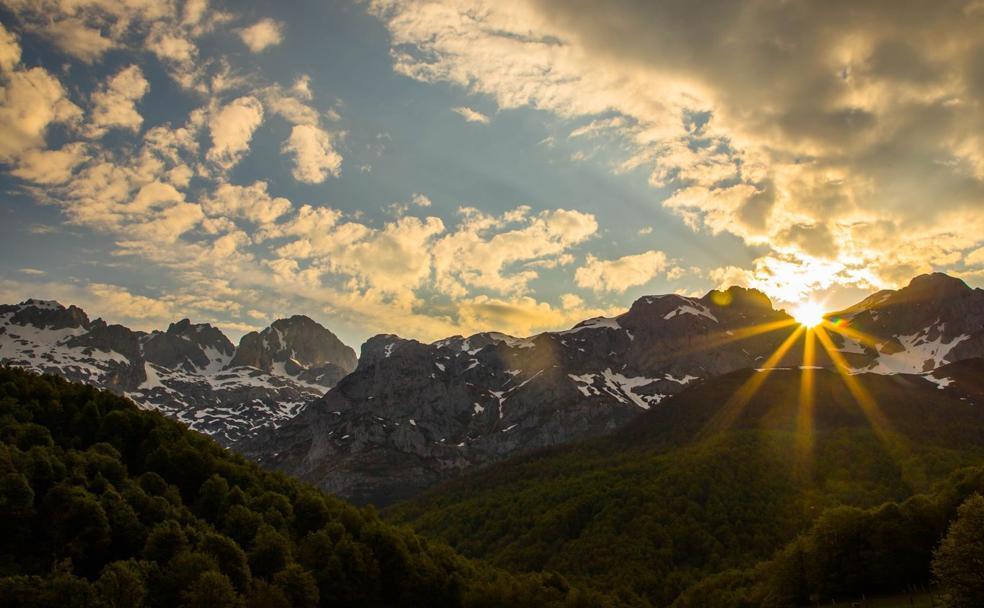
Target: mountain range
(408, 415)
(413, 415)
(191, 372)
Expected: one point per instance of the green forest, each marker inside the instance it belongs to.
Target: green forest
(666, 513)
(104, 505)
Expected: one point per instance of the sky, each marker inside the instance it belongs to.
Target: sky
(430, 168)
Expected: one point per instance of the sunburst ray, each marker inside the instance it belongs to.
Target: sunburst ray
(737, 402)
(804, 412)
(880, 424)
(852, 333)
(719, 339)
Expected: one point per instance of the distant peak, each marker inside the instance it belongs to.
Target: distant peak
(48, 313)
(295, 319)
(298, 340)
(384, 339)
(938, 280)
(42, 304)
(738, 296)
(179, 327)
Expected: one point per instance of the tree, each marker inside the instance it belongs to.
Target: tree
(122, 585)
(298, 585)
(270, 553)
(264, 595)
(165, 541)
(231, 559)
(958, 563)
(78, 526)
(212, 590)
(213, 498)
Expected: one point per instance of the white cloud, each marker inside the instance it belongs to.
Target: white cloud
(619, 274)
(975, 258)
(314, 157)
(797, 128)
(252, 203)
(10, 51)
(30, 101)
(524, 315)
(86, 29)
(232, 127)
(114, 104)
(262, 34)
(417, 200)
(479, 253)
(290, 105)
(170, 44)
(393, 260)
(50, 166)
(302, 87)
(74, 37)
(471, 115)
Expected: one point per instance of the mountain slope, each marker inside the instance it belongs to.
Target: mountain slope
(412, 414)
(102, 504)
(707, 483)
(934, 319)
(191, 372)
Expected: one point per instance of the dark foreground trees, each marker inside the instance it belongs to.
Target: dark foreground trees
(958, 563)
(104, 505)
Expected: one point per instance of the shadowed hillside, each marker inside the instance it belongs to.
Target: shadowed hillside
(718, 478)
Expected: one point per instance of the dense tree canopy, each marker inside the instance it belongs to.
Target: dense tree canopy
(664, 507)
(104, 505)
(959, 561)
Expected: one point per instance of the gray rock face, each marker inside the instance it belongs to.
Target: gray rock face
(187, 372)
(934, 320)
(187, 346)
(299, 341)
(297, 347)
(412, 415)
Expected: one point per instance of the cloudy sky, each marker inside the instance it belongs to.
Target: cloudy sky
(431, 168)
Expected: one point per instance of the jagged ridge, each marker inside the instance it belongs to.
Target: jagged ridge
(191, 372)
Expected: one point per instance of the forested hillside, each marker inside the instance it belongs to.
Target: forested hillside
(105, 505)
(721, 478)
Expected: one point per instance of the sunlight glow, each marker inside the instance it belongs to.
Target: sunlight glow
(814, 328)
(809, 314)
(804, 414)
(733, 407)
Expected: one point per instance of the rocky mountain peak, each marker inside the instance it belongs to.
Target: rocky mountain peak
(203, 334)
(46, 314)
(188, 346)
(379, 347)
(738, 298)
(932, 287)
(651, 312)
(295, 344)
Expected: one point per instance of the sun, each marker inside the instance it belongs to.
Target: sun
(808, 314)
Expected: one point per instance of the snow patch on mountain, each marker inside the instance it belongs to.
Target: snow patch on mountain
(920, 352)
(691, 308)
(183, 372)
